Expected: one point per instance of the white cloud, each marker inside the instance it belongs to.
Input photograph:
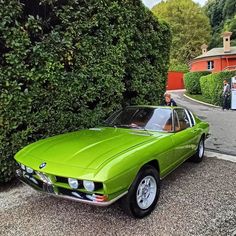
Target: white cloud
(151, 3)
(202, 2)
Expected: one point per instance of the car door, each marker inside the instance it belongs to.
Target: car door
(183, 137)
(196, 132)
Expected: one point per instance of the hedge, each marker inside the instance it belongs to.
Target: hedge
(192, 81)
(64, 65)
(212, 85)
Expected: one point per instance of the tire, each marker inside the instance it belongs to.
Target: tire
(200, 151)
(143, 194)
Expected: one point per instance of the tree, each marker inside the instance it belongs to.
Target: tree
(214, 10)
(221, 14)
(190, 27)
(230, 25)
(229, 9)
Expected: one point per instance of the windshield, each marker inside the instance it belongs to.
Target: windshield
(156, 119)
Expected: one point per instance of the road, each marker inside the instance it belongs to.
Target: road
(222, 124)
(196, 199)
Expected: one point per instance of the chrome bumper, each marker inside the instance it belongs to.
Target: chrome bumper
(72, 194)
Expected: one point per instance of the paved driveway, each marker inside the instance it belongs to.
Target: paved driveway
(196, 199)
(222, 124)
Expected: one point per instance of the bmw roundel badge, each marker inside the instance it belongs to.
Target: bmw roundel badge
(42, 165)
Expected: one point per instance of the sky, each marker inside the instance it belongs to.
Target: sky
(151, 3)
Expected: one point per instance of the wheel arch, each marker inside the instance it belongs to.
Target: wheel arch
(130, 203)
(154, 163)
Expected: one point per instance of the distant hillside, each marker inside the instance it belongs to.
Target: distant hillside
(222, 15)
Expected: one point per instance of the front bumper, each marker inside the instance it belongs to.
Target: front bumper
(71, 194)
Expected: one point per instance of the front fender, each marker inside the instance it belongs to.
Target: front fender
(119, 174)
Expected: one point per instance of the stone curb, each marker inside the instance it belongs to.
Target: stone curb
(204, 103)
(220, 156)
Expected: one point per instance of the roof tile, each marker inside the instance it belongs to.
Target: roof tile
(217, 52)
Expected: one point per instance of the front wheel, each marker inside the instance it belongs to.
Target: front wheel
(200, 151)
(143, 194)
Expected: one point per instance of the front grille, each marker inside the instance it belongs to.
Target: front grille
(62, 179)
(78, 194)
(38, 177)
(40, 185)
(47, 188)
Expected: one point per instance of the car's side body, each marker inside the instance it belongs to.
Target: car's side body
(110, 157)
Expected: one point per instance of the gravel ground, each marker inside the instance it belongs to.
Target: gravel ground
(196, 199)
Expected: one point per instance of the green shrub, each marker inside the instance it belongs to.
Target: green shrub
(64, 65)
(212, 85)
(192, 81)
(205, 89)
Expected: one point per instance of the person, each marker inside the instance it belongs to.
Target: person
(226, 95)
(169, 101)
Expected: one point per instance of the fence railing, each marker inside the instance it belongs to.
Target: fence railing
(230, 68)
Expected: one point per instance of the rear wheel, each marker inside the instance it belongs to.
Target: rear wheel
(143, 194)
(200, 151)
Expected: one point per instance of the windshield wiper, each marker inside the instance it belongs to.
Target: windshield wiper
(122, 126)
(147, 131)
(104, 124)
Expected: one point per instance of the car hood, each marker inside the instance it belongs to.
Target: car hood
(84, 149)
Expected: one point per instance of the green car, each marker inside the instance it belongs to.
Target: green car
(125, 158)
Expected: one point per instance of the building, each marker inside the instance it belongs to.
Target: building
(217, 59)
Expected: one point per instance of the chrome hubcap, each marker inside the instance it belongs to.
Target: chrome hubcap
(146, 192)
(201, 149)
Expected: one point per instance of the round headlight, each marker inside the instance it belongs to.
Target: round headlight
(22, 166)
(73, 183)
(29, 170)
(89, 185)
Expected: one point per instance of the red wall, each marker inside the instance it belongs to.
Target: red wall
(175, 80)
(220, 63)
(199, 66)
(228, 62)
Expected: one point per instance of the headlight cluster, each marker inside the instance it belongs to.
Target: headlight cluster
(27, 169)
(88, 185)
(44, 178)
(74, 183)
(22, 166)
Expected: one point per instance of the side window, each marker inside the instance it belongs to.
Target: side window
(210, 65)
(168, 124)
(112, 117)
(183, 119)
(176, 122)
(161, 120)
(191, 117)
